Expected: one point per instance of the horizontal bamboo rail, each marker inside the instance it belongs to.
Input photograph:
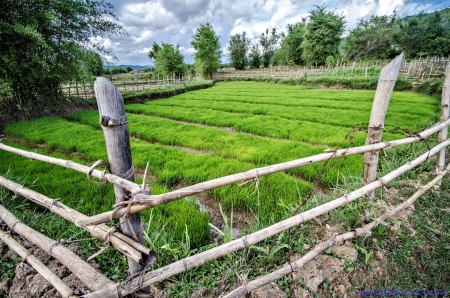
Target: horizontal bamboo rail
(122, 243)
(247, 240)
(318, 249)
(114, 179)
(86, 273)
(43, 270)
(142, 201)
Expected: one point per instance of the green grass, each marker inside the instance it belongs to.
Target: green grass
(272, 123)
(172, 166)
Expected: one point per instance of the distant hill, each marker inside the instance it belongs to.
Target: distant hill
(445, 17)
(134, 67)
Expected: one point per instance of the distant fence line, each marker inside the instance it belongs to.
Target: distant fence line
(420, 69)
(85, 89)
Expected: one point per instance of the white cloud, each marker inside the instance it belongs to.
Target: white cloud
(175, 21)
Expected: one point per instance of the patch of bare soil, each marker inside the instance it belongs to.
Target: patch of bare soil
(241, 219)
(28, 283)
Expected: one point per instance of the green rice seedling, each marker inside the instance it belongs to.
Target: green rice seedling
(91, 199)
(173, 166)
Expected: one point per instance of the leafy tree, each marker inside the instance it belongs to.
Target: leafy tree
(435, 41)
(373, 38)
(254, 57)
(322, 36)
(43, 44)
(92, 64)
(290, 51)
(268, 43)
(207, 50)
(238, 48)
(410, 36)
(168, 59)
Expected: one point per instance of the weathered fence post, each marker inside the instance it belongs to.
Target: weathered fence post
(444, 116)
(114, 124)
(385, 87)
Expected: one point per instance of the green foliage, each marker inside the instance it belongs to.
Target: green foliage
(43, 44)
(431, 87)
(92, 64)
(238, 48)
(291, 50)
(322, 36)
(227, 233)
(168, 60)
(373, 38)
(254, 57)
(268, 43)
(207, 50)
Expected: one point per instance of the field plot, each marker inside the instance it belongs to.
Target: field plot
(206, 134)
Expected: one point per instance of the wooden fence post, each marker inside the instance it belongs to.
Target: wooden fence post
(114, 124)
(444, 116)
(385, 87)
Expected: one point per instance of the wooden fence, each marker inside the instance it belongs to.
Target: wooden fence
(85, 89)
(418, 70)
(139, 199)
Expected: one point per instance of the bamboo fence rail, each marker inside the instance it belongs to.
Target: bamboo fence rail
(416, 70)
(89, 276)
(43, 270)
(142, 201)
(247, 240)
(318, 249)
(89, 171)
(122, 243)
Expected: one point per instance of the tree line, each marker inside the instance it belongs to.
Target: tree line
(46, 43)
(315, 40)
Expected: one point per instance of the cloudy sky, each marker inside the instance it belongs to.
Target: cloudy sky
(175, 21)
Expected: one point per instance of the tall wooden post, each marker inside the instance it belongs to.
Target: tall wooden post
(114, 123)
(385, 87)
(444, 116)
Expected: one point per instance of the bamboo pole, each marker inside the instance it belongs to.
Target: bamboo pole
(247, 240)
(114, 124)
(114, 179)
(386, 82)
(43, 270)
(122, 243)
(89, 276)
(143, 202)
(444, 115)
(365, 230)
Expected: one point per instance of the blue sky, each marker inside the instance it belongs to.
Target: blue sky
(175, 21)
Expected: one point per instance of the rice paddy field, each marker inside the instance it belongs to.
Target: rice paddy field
(205, 134)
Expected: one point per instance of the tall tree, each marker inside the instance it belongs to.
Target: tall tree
(207, 50)
(268, 40)
(373, 38)
(435, 41)
(43, 44)
(322, 36)
(290, 51)
(92, 64)
(168, 59)
(238, 48)
(410, 36)
(254, 57)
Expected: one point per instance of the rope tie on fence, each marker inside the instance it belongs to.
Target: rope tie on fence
(137, 282)
(107, 243)
(57, 242)
(128, 174)
(55, 201)
(91, 169)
